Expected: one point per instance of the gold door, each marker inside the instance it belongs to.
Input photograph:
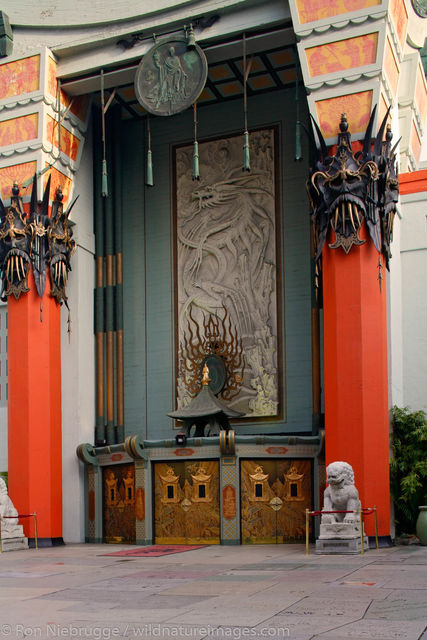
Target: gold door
(186, 502)
(119, 504)
(274, 497)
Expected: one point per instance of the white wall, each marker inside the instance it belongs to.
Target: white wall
(394, 300)
(414, 300)
(77, 354)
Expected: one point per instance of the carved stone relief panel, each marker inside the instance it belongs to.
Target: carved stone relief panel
(227, 261)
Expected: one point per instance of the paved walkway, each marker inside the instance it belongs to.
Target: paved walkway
(269, 591)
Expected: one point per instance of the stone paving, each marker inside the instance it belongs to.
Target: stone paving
(265, 591)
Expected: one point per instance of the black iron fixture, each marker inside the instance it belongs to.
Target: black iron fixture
(181, 439)
(129, 43)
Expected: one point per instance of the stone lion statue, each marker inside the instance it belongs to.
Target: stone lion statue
(9, 524)
(341, 494)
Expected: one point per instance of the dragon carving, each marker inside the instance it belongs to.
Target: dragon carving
(227, 259)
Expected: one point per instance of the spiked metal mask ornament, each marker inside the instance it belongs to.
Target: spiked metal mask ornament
(61, 248)
(15, 247)
(347, 189)
(39, 223)
(39, 240)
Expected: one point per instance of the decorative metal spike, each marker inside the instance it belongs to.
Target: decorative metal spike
(298, 150)
(34, 199)
(350, 214)
(149, 174)
(380, 134)
(246, 69)
(104, 179)
(44, 209)
(380, 275)
(196, 174)
(246, 156)
(191, 43)
(358, 215)
(368, 134)
(322, 143)
(149, 180)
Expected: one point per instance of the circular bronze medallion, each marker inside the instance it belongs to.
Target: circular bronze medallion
(420, 7)
(170, 77)
(217, 372)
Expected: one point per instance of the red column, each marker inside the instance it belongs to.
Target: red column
(34, 412)
(355, 372)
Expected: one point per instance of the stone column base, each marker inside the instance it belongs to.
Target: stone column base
(14, 544)
(340, 545)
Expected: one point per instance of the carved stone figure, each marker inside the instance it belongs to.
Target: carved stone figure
(340, 532)
(12, 534)
(341, 495)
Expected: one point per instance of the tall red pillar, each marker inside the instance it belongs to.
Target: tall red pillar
(34, 412)
(355, 372)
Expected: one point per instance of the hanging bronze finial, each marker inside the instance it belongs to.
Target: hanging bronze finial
(196, 173)
(205, 380)
(191, 42)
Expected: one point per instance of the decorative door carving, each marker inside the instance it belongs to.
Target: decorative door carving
(186, 502)
(274, 497)
(119, 504)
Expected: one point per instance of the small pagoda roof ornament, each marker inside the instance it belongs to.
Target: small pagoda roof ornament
(203, 409)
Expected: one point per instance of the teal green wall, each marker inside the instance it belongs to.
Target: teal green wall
(148, 264)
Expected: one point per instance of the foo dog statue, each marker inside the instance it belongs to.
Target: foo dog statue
(12, 534)
(341, 495)
(340, 532)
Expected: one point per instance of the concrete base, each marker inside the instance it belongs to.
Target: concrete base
(14, 544)
(339, 531)
(340, 545)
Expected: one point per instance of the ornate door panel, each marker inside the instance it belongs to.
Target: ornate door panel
(274, 497)
(186, 502)
(119, 504)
